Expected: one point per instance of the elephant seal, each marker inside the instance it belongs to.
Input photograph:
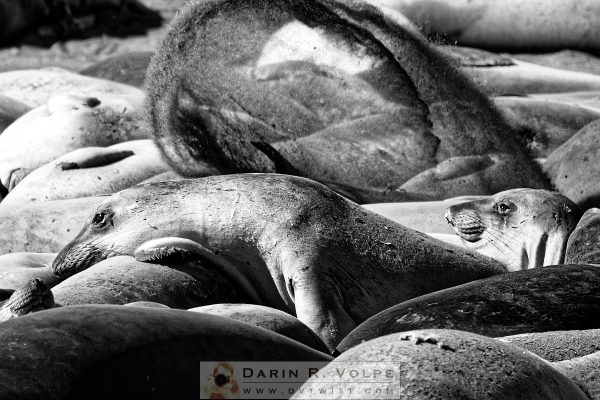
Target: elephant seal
(585, 98)
(522, 228)
(512, 25)
(129, 68)
(571, 60)
(456, 176)
(43, 227)
(16, 269)
(526, 78)
(256, 87)
(293, 242)
(557, 345)
(584, 372)
(122, 279)
(31, 297)
(546, 124)
(128, 352)
(563, 297)
(440, 364)
(89, 171)
(584, 243)
(573, 167)
(10, 110)
(35, 87)
(268, 318)
(66, 123)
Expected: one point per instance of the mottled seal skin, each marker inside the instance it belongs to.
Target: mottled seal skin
(522, 228)
(35, 87)
(128, 352)
(329, 90)
(64, 124)
(45, 227)
(473, 175)
(16, 269)
(573, 167)
(89, 171)
(129, 68)
(564, 297)
(584, 372)
(510, 25)
(268, 318)
(297, 244)
(121, 280)
(442, 364)
(583, 246)
(546, 124)
(558, 345)
(31, 297)
(527, 78)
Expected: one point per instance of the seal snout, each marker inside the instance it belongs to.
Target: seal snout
(75, 258)
(467, 223)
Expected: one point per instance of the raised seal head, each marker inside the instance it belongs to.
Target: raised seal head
(522, 228)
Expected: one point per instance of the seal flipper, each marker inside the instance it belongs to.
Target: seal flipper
(91, 157)
(175, 249)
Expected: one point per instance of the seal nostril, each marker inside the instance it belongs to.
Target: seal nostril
(92, 102)
(448, 216)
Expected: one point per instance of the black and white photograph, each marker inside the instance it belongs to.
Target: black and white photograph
(300, 199)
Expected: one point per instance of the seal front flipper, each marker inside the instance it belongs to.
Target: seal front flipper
(91, 157)
(171, 250)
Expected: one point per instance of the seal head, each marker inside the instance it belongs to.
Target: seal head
(522, 228)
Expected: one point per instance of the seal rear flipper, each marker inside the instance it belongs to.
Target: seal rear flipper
(172, 250)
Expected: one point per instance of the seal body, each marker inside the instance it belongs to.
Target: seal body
(89, 171)
(583, 371)
(441, 364)
(368, 104)
(563, 297)
(558, 345)
(122, 280)
(268, 318)
(35, 87)
(16, 269)
(572, 167)
(128, 68)
(583, 245)
(512, 25)
(300, 247)
(523, 228)
(66, 123)
(128, 352)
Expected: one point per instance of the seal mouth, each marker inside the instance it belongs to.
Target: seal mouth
(74, 259)
(467, 225)
(470, 233)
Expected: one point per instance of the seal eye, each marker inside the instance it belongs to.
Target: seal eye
(100, 219)
(504, 208)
